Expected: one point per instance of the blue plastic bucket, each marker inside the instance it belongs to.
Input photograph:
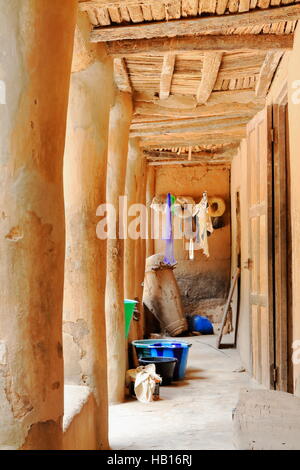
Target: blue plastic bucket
(165, 348)
(201, 324)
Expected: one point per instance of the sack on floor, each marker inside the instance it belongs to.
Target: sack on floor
(146, 381)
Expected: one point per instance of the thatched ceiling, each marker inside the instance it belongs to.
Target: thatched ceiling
(199, 70)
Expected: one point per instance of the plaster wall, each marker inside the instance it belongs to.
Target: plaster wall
(203, 282)
(80, 419)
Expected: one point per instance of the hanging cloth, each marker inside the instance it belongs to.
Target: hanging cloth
(169, 250)
(203, 224)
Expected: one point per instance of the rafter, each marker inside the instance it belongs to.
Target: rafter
(267, 72)
(155, 155)
(198, 25)
(177, 102)
(214, 124)
(210, 69)
(202, 122)
(159, 46)
(183, 141)
(166, 75)
(121, 75)
(155, 111)
(219, 161)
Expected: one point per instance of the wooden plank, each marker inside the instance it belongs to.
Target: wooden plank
(135, 13)
(231, 125)
(146, 9)
(267, 72)
(144, 108)
(121, 76)
(187, 102)
(189, 7)
(227, 305)
(221, 7)
(244, 5)
(154, 143)
(203, 25)
(160, 46)
(190, 162)
(103, 16)
(203, 122)
(207, 6)
(233, 6)
(260, 246)
(158, 10)
(194, 138)
(155, 155)
(166, 75)
(280, 245)
(210, 69)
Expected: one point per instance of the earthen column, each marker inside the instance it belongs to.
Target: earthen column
(131, 187)
(91, 95)
(150, 193)
(35, 62)
(140, 247)
(119, 124)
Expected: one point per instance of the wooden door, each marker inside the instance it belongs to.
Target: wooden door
(259, 152)
(282, 248)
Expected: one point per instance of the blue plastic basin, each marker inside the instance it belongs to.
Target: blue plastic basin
(165, 348)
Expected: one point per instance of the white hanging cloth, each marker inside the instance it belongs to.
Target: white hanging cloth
(204, 224)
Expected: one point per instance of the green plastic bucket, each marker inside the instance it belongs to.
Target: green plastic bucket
(128, 310)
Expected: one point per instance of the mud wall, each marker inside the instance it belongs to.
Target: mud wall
(203, 282)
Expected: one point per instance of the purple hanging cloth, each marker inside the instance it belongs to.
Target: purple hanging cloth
(169, 250)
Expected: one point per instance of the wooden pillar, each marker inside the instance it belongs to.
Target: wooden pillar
(35, 64)
(91, 95)
(150, 193)
(119, 124)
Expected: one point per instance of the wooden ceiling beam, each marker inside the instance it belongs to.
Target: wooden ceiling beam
(213, 127)
(159, 46)
(166, 75)
(210, 69)
(159, 142)
(267, 72)
(229, 135)
(177, 102)
(220, 161)
(198, 25)
(156, 155)
(156, 112)
(121, 75)
(201, 122)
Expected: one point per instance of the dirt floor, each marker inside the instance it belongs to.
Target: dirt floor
(192, 414)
